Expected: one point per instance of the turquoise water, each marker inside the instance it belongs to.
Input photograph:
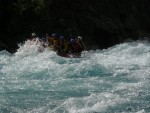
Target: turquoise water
(102, 81)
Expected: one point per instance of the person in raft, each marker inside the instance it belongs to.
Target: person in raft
(78, 46)
(63, 45)
(53, 41)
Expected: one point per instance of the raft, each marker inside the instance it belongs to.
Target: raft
(69, 55)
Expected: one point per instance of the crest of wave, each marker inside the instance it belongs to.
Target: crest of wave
(29, 47)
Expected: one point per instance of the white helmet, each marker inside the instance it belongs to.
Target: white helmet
(33, 34)
(79, 37)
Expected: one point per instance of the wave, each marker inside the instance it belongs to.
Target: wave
(110, 80)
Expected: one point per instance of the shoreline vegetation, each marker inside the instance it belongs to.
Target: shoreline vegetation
(101, 23)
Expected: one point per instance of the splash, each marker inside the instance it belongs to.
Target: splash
(111, 80)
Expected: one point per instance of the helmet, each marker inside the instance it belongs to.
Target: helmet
(54, 34)
(61, 37)
(33, 34)
(71, 40)
(79, 37)
(43, 39)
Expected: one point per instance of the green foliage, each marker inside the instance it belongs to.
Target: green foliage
(36, 6)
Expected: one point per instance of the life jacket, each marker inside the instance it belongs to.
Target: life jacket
(63, 46)
(56, 44)
(71, 48)
(78, 47)
(50, 41)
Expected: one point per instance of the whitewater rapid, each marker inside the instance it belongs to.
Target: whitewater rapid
(112, 80)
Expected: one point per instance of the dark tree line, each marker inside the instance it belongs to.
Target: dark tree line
(102, 23)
